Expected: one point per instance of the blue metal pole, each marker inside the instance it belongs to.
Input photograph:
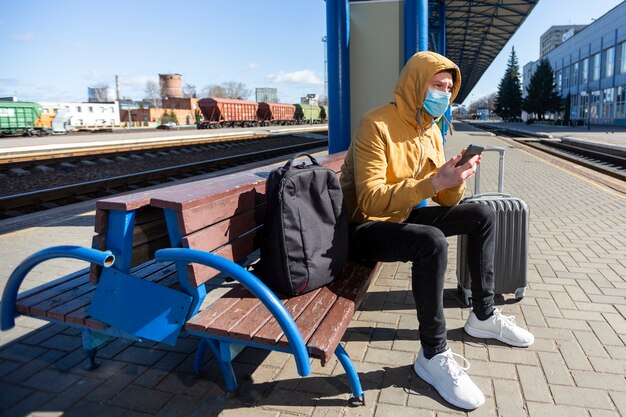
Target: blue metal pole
(256, 287)
(338, 38)
(9, 295)
(442, 28)
(422, 16)
(353, 377)
(410, 29)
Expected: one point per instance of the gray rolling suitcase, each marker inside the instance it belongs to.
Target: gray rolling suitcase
(511, 259)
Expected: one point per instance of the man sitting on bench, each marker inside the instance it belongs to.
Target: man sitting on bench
(396, 161)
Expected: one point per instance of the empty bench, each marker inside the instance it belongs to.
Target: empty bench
(168, 245)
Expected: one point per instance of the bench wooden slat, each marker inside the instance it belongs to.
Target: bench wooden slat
(196, 218)
(238, 312)
(25, 298)
(186, 196)
(25, 305)
(201, 321)
(253, 323)
(271, 332)
(222, 233)
(326, 338)
(310, 319)
(126, 202)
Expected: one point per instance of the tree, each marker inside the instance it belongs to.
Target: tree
(542, 96)
(229, 89)
(153, 93)
(508, 103)
(189, 91)
(486, 102)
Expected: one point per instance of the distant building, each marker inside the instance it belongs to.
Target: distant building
(590, 67)
(555, 36)
(78, 115)
(100, 95)
(171, 85)
(310, 99)
(145, 114)
(268, 95)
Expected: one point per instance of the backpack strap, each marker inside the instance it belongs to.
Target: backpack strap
(289, 163)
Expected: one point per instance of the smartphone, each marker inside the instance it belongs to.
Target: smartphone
(471, 150)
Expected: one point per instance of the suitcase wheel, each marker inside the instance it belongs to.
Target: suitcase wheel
(520, 293)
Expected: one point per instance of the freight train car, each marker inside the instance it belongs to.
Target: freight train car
(310, 114)
(276, 114)
(20, 118)
(224, 112)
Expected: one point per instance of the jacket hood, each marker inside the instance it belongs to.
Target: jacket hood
(413, 82)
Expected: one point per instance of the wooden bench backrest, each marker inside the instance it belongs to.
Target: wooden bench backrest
(222, 215)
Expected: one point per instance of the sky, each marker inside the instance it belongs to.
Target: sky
(54, 51)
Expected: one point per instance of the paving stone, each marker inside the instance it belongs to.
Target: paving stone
(543, 410)
(51, 380)
(554, 369)
(141, 399)
(27, 370)
(388, 410)
(573, 355)
(140, 356)
(581, 397)
(30, 404)
(82, 409)
(509, 398)
(73, 394)
(11, 394)
(533, 383)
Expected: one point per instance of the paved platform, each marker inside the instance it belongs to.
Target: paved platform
(606, 135)
(575, 305)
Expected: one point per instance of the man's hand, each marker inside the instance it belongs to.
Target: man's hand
(450, 176)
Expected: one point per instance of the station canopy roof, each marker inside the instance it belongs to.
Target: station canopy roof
(476, 33)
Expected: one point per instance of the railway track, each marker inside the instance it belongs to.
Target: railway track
(43, 198)
(607, 160)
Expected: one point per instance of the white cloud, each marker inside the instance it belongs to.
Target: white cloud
(296, 77)
(23, 37)
(253, 65)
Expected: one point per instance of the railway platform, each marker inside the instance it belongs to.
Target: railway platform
(575, 306)
(14, 148)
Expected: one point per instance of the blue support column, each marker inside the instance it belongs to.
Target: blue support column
(338, 38)
(422, 16)
(410, 28)
(442, 28)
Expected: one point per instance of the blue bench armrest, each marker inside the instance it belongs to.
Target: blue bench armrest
(9, 295)
(256, 287)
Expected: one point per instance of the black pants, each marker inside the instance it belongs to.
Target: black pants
(421, 239)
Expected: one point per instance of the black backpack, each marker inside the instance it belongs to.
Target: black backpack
(305, 234)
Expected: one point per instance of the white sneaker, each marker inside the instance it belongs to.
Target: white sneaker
(500, 327)
(449, 379)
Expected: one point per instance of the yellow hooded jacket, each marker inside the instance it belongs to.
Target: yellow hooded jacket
(390, 163)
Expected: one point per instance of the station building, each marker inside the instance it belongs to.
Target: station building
(590, 68)
(83, 114)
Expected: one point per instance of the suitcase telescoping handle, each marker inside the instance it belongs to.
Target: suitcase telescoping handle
(300, 155)
(500, 173)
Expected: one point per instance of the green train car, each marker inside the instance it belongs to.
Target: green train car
(310, 114)
(20, 118)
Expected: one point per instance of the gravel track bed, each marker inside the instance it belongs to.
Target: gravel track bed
(98, 168)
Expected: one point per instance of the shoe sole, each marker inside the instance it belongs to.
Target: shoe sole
(483, 334)
(425, 375)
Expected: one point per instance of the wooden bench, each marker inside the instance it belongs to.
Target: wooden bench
(211, 227)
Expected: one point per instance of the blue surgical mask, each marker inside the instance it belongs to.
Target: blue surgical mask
(436, 102)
